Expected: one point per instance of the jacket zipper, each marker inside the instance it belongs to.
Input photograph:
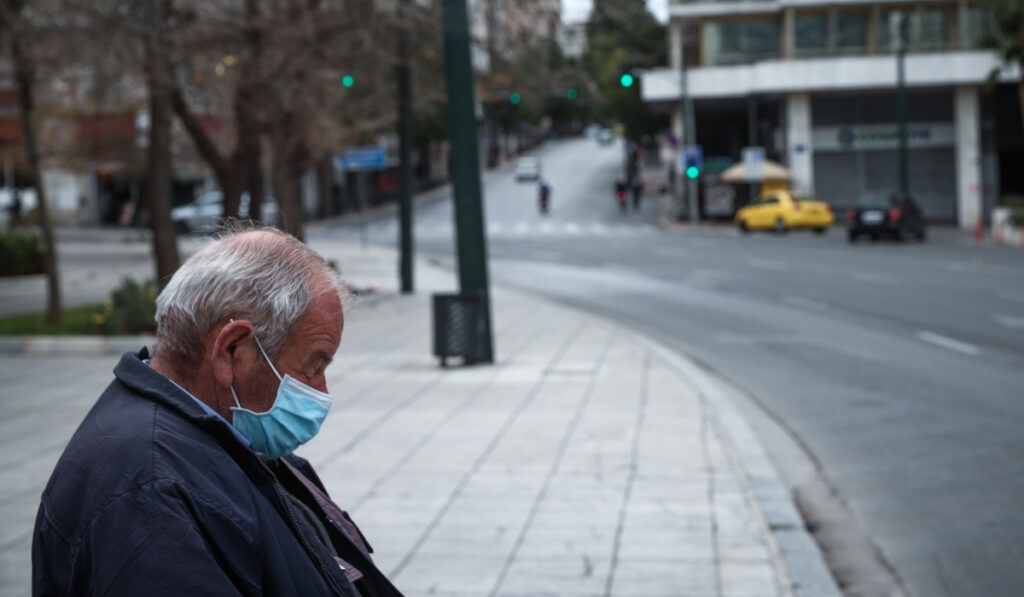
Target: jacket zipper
(302, 536)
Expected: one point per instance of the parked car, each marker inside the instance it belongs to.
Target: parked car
(783, 210)
(528, 168)
(204, 213)
(886, 214)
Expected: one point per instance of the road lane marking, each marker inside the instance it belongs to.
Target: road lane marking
(572, 228)
(769, 264)
(804, 303)
(875, 278)
(1010, 321)
(949, 343)
(522, 228)
(1012, 296)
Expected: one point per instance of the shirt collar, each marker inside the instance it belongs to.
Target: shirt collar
(206, 408)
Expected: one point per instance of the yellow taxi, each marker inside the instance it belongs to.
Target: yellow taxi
(783, 210)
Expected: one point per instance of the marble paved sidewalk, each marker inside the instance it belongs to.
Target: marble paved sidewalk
(584, 462)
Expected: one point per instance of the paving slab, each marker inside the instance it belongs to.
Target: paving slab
(586, 460)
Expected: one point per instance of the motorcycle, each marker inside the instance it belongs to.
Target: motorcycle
(620, 194)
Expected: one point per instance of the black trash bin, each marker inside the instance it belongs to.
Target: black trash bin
(459, 327)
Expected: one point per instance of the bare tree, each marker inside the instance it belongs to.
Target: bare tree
(165, 246)
(24, 70)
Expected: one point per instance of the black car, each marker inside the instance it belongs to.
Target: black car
(891, 215)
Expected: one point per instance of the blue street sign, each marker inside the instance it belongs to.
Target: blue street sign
(692, 160)
(372, 157)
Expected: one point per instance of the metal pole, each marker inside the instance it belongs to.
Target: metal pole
(465, 167)
(901, 98)
(405, 230)
(689, 131)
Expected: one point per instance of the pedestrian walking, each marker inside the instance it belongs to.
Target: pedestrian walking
(637, 187)
(181, 479)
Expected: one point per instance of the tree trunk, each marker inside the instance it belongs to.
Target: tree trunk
(24, 74)
(1020, 89)
(290, 157)
(250, 150)
(288, 184)
(227, 171)
(158, 192)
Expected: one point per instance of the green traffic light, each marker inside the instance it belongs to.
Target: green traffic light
(348, 81)
(692, 172)
(514, 98)
(571, 94)
(626, 80)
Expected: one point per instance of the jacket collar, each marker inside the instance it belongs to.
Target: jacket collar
(152, 385)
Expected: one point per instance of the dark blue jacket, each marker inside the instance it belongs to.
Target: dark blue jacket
(153, 496)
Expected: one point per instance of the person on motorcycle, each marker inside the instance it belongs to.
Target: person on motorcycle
(620, 193)
(637, 187)
(545, 195)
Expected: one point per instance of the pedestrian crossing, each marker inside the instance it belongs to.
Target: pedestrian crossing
(529, 229)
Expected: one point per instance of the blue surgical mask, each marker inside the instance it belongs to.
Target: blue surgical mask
(294, 419)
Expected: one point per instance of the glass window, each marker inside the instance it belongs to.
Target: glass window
(734, 42)
(851, 32)
(884, 28)
(930, 29)
(979, 24)
(926, 29)
(761, 37)
(810, 32)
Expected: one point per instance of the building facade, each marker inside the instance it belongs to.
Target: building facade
(814, 83)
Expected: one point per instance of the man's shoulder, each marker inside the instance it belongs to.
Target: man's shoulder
(127, 445)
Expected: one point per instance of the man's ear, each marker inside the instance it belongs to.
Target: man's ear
(231, 348)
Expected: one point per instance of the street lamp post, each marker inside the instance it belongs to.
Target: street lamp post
(897, 24)
(689, 134)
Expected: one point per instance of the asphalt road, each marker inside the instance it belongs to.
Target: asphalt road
(894, 371)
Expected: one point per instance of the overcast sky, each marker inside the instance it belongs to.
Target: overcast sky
(574, 11)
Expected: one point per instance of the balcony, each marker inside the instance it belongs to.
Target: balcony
(823, 74)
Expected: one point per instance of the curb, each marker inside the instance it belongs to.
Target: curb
(798, 561)
(800, 567)
(72, 345)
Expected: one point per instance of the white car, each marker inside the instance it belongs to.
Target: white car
(204, 213)
(528, 168)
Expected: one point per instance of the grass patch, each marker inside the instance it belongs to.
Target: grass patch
(75, 321)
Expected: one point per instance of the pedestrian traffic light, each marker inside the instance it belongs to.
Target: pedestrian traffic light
(693, 160)
(626, 80)
(571, 94)
(348, 80)
(514, 98)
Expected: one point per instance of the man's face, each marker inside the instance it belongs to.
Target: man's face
(306, 352)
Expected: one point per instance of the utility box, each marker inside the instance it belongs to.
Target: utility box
(459, 327)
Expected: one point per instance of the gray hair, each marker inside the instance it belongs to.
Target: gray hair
(261, 275)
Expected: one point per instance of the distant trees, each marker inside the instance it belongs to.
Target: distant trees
(622, 35)
(19, 27)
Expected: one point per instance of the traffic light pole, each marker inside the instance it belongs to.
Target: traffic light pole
(899, 30)
(465, 169)
(689, 134)
(405, 241)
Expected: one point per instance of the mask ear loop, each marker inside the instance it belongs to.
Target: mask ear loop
(265, 356)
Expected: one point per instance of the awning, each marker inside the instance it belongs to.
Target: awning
(770, 171)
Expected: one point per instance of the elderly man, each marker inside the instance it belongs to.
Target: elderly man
(181, 478)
